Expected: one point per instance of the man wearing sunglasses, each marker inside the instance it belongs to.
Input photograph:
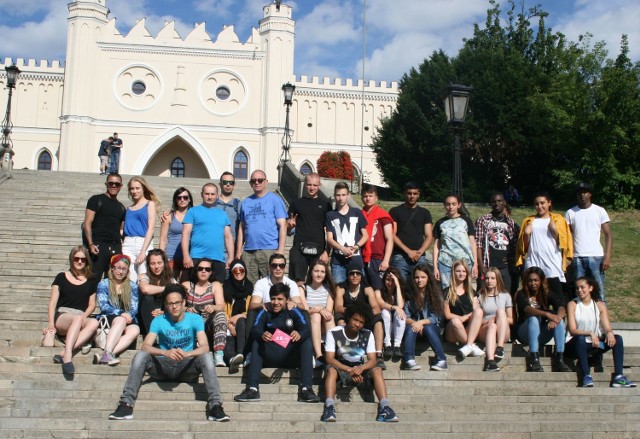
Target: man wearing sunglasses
(227, 202)
(103, 218)
(260, 295)
(263, 227)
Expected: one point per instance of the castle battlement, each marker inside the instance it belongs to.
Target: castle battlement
(346, 85)
(198, 38)
(32, 68)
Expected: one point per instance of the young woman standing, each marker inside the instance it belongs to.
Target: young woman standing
(171, 229)
(139, 224)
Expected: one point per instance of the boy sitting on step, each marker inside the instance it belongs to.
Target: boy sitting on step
(351, 357)
(281, 338)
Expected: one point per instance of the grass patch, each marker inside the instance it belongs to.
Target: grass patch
(622, 279)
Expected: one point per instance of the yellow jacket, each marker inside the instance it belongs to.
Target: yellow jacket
(565, 240)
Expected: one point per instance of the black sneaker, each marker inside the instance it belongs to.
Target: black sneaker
(328, 414)
(217, 414)
(387, 352)
(380, 362)
(307, 395)
(248, 395)
(499, 353)
(491, 366)
(124, 411)
(397, 353)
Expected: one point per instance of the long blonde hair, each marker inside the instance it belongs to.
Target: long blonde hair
(500, 288)
(452, 296)
(122, 300)
(146, 190)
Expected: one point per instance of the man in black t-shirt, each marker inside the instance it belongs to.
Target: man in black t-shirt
(307, 215)
(103, 218)
(414, 232)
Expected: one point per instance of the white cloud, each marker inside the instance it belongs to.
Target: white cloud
(329, 23)
(24, 8)
(607, 21)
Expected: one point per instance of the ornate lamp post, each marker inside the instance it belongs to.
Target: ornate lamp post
(6, 151)
(456, 103)
(287, 91)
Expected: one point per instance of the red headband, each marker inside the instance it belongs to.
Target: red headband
(117, 258)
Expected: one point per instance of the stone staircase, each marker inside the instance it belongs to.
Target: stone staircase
(43, 212)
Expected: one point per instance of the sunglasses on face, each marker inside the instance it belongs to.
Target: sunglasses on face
(355, 273)
(238, 271)
(79, 259)
(227, 183)
(257, 180)
(114, 184)
(183, 197)
(207, 269)
(276, 265)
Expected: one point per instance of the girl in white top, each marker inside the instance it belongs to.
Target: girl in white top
(391, 303)
(497, 309)
(590, 329)
(319, 291)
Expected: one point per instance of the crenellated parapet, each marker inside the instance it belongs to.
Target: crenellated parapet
(348, 89)
(35, 70)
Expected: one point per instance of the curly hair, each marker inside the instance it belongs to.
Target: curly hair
(431, 293)
(358, 307)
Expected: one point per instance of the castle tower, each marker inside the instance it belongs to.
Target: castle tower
(86, 21)
(277, 33)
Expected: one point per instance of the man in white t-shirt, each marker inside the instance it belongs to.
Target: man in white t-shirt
(587, 220)
(260, 295)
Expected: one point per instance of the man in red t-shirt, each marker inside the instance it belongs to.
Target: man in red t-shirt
(379, 248)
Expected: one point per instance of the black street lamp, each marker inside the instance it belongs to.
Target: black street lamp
(6, 151)
(456, 103)
(287, 91)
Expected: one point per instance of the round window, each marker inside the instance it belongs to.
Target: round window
(223, 93)
(138, 87)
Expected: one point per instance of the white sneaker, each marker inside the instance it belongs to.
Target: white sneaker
(219, 359)
(475, 351)
(411, 365)
(441, 365)
(463, 352)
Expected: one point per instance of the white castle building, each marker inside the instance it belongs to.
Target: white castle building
(191, 106)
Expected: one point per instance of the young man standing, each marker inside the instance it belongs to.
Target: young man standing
(206, 233)
(116, 149)
(379, 248)
(227, 202)
(281, 338)
(414, 232)
(346, 233)
(587, 220)
(103, 220)
(263, 227)
(496, 237)
(103, 153)
(307, 215)
(182, 354)
(351, 357)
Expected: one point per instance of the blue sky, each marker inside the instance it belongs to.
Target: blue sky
(399, 34)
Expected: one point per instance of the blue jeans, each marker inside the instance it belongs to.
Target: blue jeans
(445, 276)
(590, 266)
(406, 265)
(114, 161)
(534, 332)
(578, 347)
(431, 333)
(339, 271)
(166, 369)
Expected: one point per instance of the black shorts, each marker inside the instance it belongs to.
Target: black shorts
(299, 264)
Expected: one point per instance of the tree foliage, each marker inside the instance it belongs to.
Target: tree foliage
(545, 113)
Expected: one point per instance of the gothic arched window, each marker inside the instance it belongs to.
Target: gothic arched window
(241, 165)
(44, 161)
(177, 167)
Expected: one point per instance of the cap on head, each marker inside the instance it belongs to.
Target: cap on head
(583, 187)
(354, 266)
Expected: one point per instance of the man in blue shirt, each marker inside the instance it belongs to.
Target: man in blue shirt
(206, 233)
(182, 355)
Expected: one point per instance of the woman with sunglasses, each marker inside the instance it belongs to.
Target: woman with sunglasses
(319, 291)
(139, 224)
(73, 299)
(171, 229)
(151, 285)
(205, 297)
(118, 301)
(237, 295)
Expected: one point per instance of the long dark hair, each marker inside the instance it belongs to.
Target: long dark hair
(387, 295)
(432, 294)
(174, 203)
(166, 276)
(328, 282)
(595, 293)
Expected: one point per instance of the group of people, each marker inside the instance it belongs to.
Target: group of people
(109, 154)
(362, 286)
